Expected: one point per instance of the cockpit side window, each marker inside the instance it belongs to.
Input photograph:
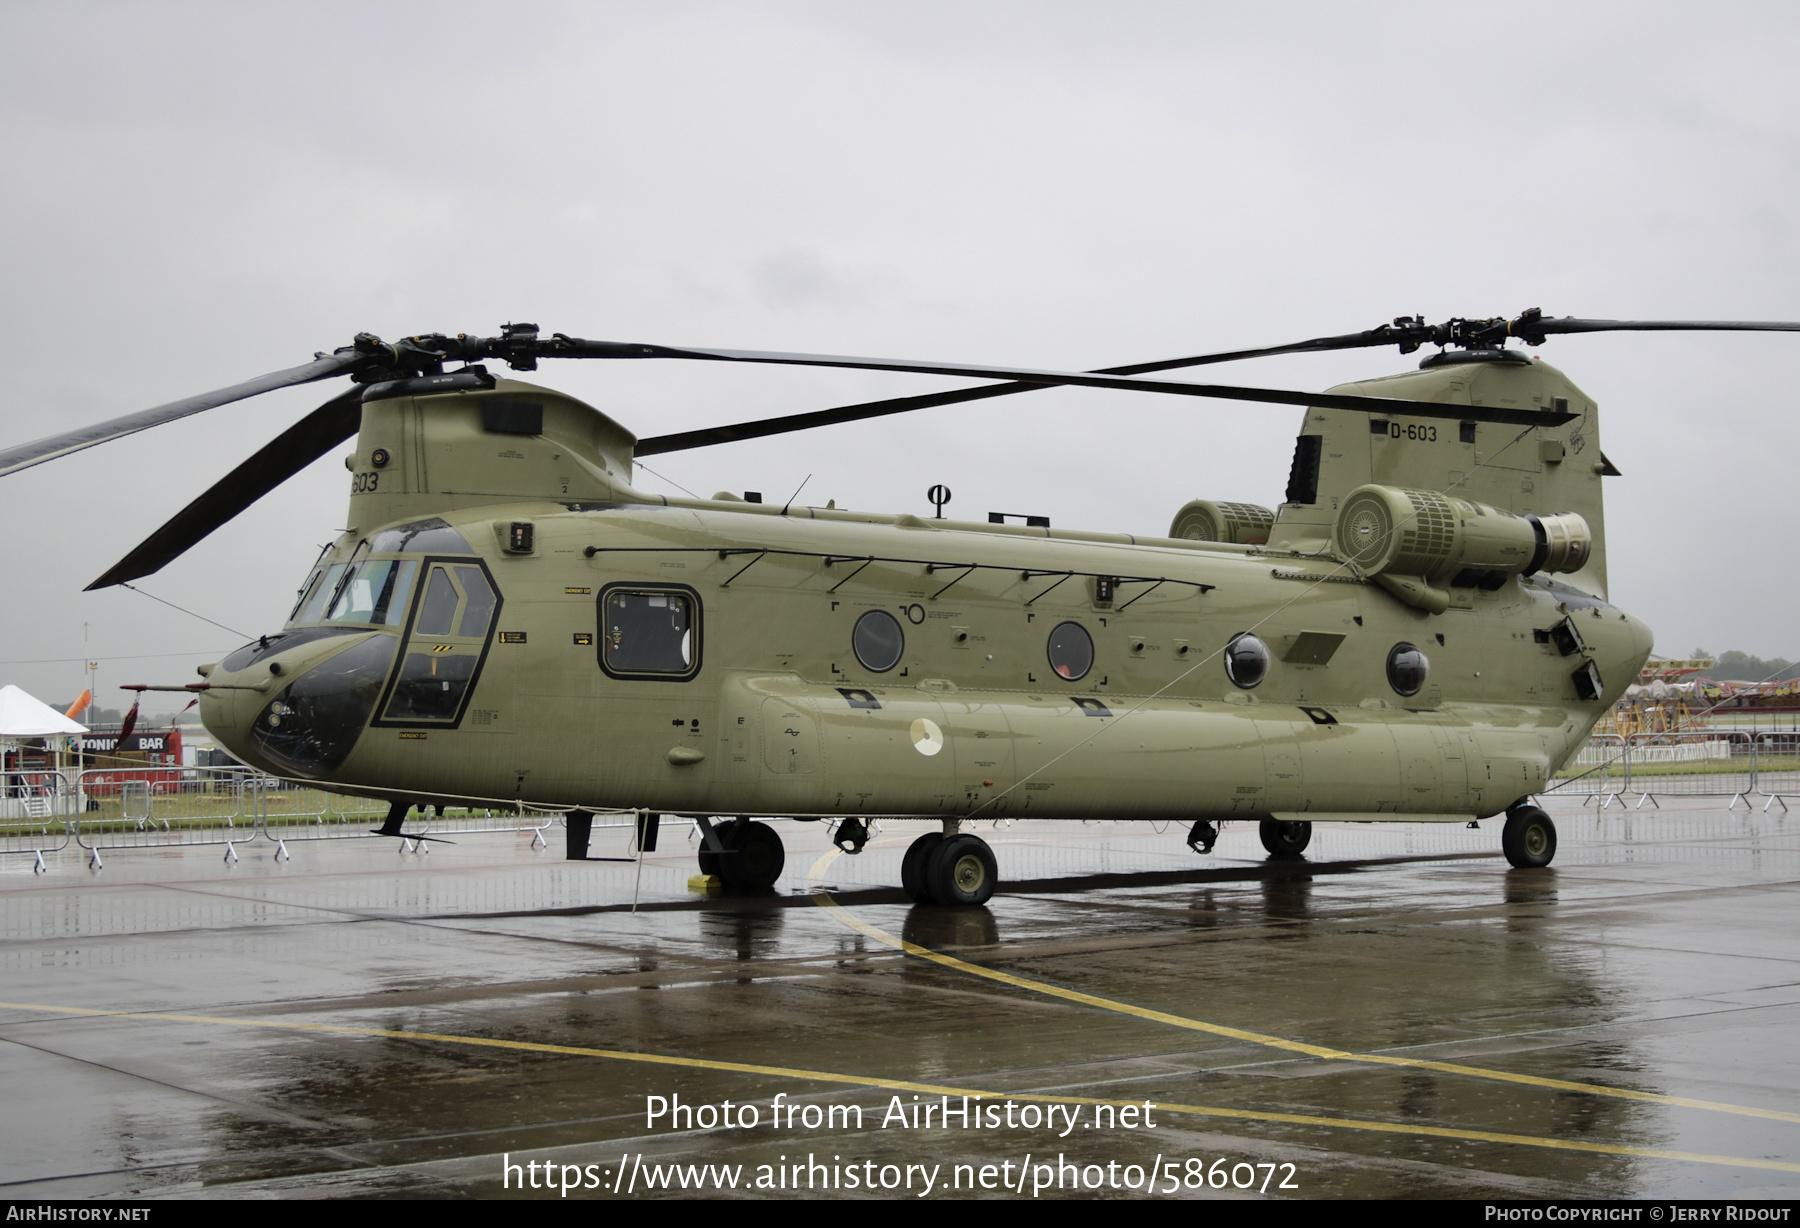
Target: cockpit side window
(480, 606)
(439, 610)
(444, 647)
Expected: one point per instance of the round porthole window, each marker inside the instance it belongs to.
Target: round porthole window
(878, 641)
(1071, 651)
(1246, 661)
(1407, 668)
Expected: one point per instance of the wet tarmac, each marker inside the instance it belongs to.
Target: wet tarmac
(1396, 1014)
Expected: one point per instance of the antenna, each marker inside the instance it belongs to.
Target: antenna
(796, 494)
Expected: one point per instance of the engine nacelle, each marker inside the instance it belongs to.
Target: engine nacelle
(1240, 524)
(1411, 540)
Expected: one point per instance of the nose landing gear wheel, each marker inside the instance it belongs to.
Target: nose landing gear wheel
(753, 856)
(1529, 838)
(912, 866)
(961, 871)
(1285, 839)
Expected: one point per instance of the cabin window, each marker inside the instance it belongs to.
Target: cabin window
(1071, 651)
(649, 632)
(878, 641)
(1246, 660)
(1407, 668)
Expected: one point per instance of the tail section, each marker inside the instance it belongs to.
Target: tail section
(1532, 470)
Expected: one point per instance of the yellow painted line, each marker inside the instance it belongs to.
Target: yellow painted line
(844, 915)
(932, 1089)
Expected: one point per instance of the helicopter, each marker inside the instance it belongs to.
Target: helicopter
(1418, 632)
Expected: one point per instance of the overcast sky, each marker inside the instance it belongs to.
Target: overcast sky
(194, 194)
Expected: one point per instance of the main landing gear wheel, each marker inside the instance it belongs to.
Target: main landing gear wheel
(961, 871)
(912, 866)
(1285, 839)
(753, 856)
(709, 860)
(1529, 838)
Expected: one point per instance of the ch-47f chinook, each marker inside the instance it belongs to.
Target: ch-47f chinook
(1420, 632)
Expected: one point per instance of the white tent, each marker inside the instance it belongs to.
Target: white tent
(21, 716)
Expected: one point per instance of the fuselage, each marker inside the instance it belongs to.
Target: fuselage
(717, 657)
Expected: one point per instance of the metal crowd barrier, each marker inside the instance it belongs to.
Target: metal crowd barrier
(161, 807)
(34, 814)
(516, 820)
(1599, 773)
(1777, 758)
(1719, 764)
(286, 811)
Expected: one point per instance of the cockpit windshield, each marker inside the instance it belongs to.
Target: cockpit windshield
(376, 592)
(368, 592)
(324, 584)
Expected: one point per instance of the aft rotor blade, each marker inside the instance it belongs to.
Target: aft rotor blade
(287, 454)
(36, 453)
(1079, 379)
(1406, 333)
(733, 432)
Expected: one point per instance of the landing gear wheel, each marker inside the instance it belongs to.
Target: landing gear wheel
(753, 856)
(961, 871)
(1529, 838)
(1285, 839)
(912, 866)
(709, 860)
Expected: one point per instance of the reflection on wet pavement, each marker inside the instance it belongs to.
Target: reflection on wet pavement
(1653, 957)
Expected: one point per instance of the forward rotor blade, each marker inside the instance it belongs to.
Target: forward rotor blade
(36, 453)
(762, 427)
(1529, 327)
(280, 459)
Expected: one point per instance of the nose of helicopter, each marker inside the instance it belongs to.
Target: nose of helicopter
(295, 705)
